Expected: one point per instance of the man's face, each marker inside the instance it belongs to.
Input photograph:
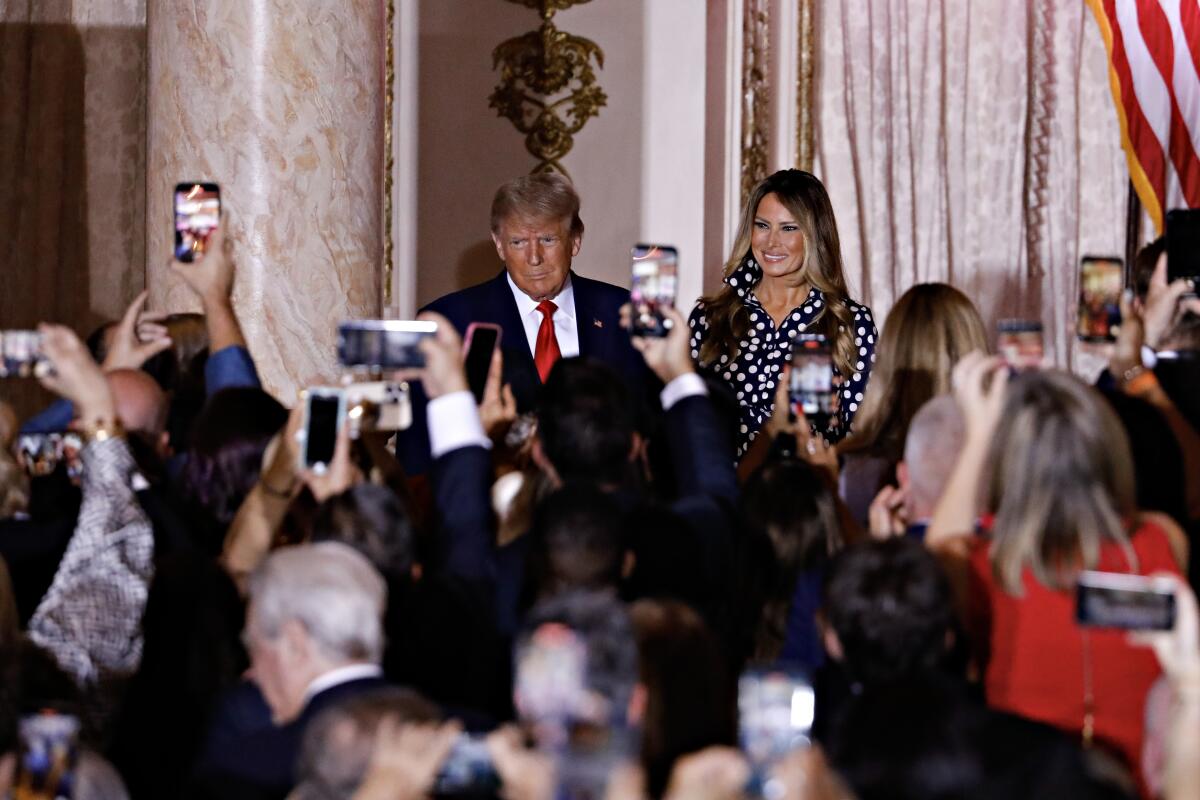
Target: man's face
(537, 254)
(268, 668)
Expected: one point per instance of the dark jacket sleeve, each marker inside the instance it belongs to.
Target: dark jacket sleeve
(461, 481)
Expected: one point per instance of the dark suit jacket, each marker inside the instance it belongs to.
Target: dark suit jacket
(705, 501)
(597, 315)
(248, 756)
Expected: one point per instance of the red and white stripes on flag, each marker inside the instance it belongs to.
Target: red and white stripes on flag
(1154, 68)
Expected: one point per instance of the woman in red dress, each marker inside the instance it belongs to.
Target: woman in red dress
(1048, 464)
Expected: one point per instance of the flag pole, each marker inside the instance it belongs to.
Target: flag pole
(1133, 231)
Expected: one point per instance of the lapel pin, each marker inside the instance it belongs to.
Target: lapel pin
(598, 323)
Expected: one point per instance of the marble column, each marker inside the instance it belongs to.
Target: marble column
(281, 103)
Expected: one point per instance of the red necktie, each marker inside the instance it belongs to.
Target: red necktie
(546, 352)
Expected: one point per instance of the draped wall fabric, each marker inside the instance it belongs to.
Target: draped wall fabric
(975, 143)
(72, 164)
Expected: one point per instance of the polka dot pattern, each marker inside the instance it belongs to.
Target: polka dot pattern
(751, 374)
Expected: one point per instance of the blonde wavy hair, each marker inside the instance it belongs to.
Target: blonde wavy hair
(929, 329)
(805, 197)
(1061, 483)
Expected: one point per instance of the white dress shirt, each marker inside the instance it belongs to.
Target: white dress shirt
(565, 328)
(340, 675)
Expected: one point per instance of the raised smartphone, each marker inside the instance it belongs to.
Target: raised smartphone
(197, 214)
(1101, 281)
(479, 343)
(21, 355)
(49, 745)
(1129, 602)
(1183, 243)
(324, 412)
(810, 382)
(1019, 343)
(776, 707)
(652, 287)
(383, 344)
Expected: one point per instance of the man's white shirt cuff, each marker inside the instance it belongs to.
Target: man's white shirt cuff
(687, 385)
(454, 423)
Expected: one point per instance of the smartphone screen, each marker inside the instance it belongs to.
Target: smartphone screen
(481, 342)
(49, 753)
(1019, 343)
(1129, 602)
(776, 708)
(1100, 283)
(383, 344)
(810, 383)
(21, 354)
(654, 282)
(324, 411)
(1183, 243)
(197, 214)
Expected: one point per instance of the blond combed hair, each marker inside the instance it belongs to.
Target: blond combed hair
(1061, 483)
(802, 194)
(929, 329)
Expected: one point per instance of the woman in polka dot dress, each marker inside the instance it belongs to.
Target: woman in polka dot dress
(784, 278)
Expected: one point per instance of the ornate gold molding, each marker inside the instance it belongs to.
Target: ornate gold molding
(805, 86)
(756, 101)
(389, 157)
(535, 69)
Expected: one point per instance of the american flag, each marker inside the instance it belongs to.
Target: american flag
(1154, 70)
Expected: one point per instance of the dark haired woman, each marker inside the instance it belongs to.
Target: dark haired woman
(783, 278)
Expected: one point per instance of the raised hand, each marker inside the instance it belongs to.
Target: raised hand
(138, 337)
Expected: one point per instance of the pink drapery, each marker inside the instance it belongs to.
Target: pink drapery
(974, 143)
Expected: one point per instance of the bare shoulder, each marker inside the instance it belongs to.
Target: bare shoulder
(1176, 538)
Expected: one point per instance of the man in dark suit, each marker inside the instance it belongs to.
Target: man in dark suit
(545, 309)
(314, 632)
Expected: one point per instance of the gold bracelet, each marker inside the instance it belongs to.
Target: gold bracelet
(101, 430)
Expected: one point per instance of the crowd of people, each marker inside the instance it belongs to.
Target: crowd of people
(633, 569)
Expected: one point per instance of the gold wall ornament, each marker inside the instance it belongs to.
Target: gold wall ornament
(756, 100)
(805, 97)
(547, 85)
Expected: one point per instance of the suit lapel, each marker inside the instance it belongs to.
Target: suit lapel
(593, 338)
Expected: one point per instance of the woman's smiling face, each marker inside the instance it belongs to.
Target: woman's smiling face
(777, 241)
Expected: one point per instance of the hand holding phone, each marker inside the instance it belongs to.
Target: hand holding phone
(652, 288)
(776, 708)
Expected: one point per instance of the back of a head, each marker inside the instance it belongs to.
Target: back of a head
(602, 624)
(227, 445)
(931, 449)
(586, 422)
(1062, 479)
(1144, 263)
(578, 540)
(688, 702)
(372, 520)
(890, 605)
(930, 328)
(538, 196)
(332, 590)
(338, 744)
(140, 402)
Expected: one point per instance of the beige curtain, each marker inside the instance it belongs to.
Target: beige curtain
(72, 165)
(974, 142)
